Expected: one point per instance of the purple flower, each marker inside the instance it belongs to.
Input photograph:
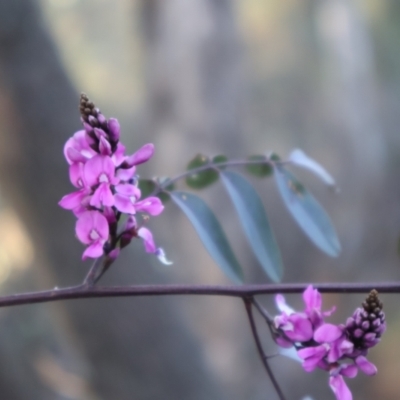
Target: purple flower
(300, 326)
(76, 201)
(107, 187)
(340, 388)
(92, 229)
(76, 175)
(140, 156)
(148, 240)
(150, 205)
(150, 246)
(132, 230)
(339, 349)
(119, 155)
(296, 326)
(313, 301)
(330, 345)
(99, 172)
(78, 149)
(126, 197)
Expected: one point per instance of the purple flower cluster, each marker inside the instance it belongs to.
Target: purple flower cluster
(339, 349)
(107, 187)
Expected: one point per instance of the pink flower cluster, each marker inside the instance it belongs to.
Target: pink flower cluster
(339, 349)
(107, 187)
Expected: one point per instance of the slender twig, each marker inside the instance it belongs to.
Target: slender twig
(211, 165)
(248, 302)
(268, 318)
(92, 275)
(106, 264)
(83, 291)
(262, 311)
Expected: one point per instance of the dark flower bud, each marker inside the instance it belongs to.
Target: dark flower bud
(90, 114)
(367, 324)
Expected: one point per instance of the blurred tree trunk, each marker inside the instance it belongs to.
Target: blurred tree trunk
(194, 77)
(194, 86)
(131, 348)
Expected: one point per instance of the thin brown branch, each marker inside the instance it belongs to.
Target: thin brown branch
(93, 273)
(262, 311)
(248, 302)
(83, 291)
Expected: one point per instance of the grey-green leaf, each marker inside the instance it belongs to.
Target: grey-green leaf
(255, 223)
(210, 231)
(308, 213)
(301, 159)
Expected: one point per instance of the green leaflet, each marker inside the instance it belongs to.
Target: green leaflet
(308, 213)
(255, 223)
(261, 170)
(210, 231)
(201, 179)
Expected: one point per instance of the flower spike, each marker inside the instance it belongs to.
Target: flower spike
(107, 186)
(339, 349)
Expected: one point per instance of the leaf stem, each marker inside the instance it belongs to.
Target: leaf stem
(233, 163)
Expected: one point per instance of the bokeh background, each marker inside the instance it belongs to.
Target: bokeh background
(211, 76)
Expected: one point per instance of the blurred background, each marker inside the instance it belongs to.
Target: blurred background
(212, 76)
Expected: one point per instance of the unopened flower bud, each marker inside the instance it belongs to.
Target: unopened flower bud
(367, 324)
(114, 129)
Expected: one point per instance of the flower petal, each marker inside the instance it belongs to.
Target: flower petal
(95, 250)
(119, 155)
(126, 174)
(281, 342)
(102, 196)
(99, 168)
(141, 156)
(312, 299)
(73, 200)
(366, 366)
(76, 174)
(128, 190)
(340, 388)
(327, 333)
(124, 204)
(282, 306)
(312, 356)
(88, 221)
(349, 370)
(150, 205)
(73, 156)
(162, 257)
(300, 330)
(77, 148)
(148, 240)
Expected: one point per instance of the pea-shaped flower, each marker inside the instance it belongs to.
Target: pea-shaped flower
(99, 173)
(92, 229)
